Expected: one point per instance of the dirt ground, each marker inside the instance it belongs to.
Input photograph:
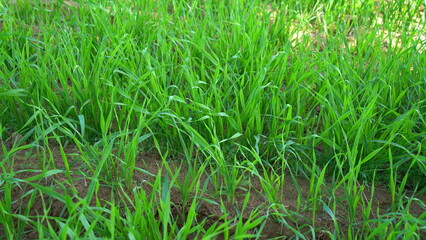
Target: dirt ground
(25, 165)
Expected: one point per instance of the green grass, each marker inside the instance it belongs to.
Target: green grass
(233, 93)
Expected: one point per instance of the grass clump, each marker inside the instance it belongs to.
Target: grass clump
(212, 119)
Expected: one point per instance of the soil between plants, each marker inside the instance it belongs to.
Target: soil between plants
(24, 164)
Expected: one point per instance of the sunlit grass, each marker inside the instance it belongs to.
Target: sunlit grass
(244, 96)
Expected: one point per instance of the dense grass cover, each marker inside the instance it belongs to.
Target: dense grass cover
(333, 91)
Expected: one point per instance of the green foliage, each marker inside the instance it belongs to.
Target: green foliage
(323, 89)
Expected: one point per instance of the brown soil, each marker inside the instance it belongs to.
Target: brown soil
(77, 180)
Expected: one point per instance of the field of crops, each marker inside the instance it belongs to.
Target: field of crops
(233, 119)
